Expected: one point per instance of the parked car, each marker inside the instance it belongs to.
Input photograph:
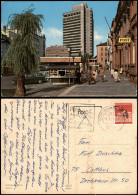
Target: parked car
(33, 79)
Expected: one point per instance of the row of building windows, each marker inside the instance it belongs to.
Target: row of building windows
(102, 59)
(53, 54)
(66, 33)
(73, 14)
(70, 23)
(74, 17)
(102, 53)
(64, 50)
(103, 48)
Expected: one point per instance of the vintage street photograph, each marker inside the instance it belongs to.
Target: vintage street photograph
(68, 48)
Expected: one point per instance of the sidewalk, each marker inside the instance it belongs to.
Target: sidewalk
(108, 88)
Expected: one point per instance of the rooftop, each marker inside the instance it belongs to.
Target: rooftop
(102, 44)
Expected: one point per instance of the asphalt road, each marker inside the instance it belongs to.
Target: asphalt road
(106, 89)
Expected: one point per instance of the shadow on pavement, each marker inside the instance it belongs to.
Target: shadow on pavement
(98, 81)
(45, 90)
(29, 91)
(105, 81)
(8, 92)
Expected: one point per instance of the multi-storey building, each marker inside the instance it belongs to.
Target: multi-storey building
(9, 33)
(109, 59)
(102, 54)
(40, 44)
(124, 25)
(78, 30)
(39, 40)
(57, 51)
(5, 42)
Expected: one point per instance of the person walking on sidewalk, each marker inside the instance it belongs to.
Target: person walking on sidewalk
(115, 75)
(121, 70)
(102, 74)
(89, 76)
(94, 75)
(78, 76)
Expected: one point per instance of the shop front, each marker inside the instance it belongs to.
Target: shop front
(62, 70)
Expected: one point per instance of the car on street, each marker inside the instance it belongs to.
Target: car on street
(36, 78)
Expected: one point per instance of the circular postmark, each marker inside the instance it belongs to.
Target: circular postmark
(108, 120)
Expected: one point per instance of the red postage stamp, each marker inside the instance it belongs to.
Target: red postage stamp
(123, 113)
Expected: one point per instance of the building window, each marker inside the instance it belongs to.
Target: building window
(106, 49)
(101, 48)
(105, 53)
(101, 53)
(129, 56)
(102, 59)
(133, 53)
(61, 72)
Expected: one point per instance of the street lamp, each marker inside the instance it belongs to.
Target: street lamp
(69, 65)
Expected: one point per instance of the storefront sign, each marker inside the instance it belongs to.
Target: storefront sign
(125, 40)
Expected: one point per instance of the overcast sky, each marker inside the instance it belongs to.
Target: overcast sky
(53, 14)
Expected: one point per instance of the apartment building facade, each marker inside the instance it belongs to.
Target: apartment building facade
(57, 51)
(102, 54)
(39, 40)
(40, 44)
(78, 30)
(5, 43)
(124, 25)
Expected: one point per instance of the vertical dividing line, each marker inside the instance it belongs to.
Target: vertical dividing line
(94, 117)
(68, 140)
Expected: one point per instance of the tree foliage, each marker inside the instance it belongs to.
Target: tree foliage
(86, 57)
(26, 23)
(22, 56)
(22, 53)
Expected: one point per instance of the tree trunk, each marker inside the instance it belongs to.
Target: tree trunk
(20, 89)
(86, 68)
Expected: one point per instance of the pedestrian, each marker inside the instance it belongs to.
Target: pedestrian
(89, 76)
(94, 76)
(102, 74)
(98, 71)
(121, 70)
(78, 76)
(115, 75)
(112, 72)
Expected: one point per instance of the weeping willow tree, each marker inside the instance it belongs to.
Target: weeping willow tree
(22, 53)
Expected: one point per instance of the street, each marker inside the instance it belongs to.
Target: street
(108, 88)
(32, 90)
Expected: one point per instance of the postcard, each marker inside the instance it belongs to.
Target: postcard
(69, 146)
(80, 49)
